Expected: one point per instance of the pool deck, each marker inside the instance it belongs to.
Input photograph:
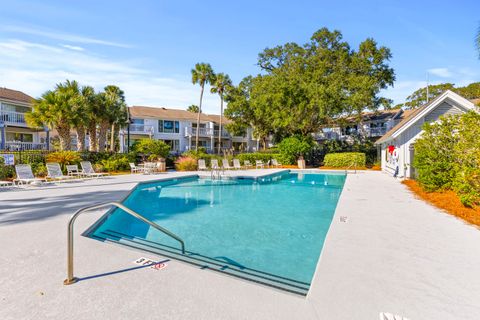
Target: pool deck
(393, 253)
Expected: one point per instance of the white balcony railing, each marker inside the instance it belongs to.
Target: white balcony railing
(141, 129)
(205, 132)
(12, 117)
(20, 146)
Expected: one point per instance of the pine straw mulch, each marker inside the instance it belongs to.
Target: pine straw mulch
(446, 200)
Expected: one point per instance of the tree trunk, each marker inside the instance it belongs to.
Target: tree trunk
(198, 119)
(80, 138)
(102, 135)
(92, 137)
(112, 138)
(220, 126)
(64, 136)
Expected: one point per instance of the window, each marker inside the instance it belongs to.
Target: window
(138, 121)
(168, 126)
(174, 145)
(22, 137)
(14, 108)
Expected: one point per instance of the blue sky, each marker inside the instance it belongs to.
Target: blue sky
(149, 47)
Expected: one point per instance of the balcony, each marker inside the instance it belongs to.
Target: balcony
(141, 129)
(205, 132)
(22, 146)
(13, 118)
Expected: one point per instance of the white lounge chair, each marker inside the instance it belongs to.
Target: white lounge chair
(55, 172)
(201, 165)
(226, 164)
(214, 164)
(88, 170)
(247, 164)
(5, 184)
(259, 164)
(134, 168)
(25, 175)
(73, 171)
(275, 163)
(236, 164)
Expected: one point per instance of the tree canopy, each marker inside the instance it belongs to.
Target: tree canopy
(193, 108)
(301, 87)
(419, 97)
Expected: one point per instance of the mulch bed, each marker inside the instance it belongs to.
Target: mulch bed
(446, 200)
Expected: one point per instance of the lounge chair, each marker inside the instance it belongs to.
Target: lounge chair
(275, 163)
(25, 175)
(88, 170)
(259, 164)
(5, 184)
(247, 164)
(55, 172)
(236, 164)
(73, 171)
(214, 164)
(134, 168)
(201, 165)
(226, 164)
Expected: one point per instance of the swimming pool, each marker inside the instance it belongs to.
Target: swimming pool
(270, 230)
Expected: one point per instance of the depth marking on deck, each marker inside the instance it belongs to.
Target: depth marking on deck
(155, 265)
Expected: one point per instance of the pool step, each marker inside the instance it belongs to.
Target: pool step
(204, 262)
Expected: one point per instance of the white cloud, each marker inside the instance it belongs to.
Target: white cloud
(440, 72)
(61, 36)
(75, 48)
(34, 68)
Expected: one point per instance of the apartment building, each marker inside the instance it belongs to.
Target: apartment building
(178, 128)
(15, 134)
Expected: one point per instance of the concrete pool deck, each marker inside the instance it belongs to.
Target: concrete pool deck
(393, 254)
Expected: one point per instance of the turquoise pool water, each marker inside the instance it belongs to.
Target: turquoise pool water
(275, 225)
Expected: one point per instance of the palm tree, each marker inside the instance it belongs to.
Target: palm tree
(220, 85)
(113, 112)
(193, 108)
(89, 119)
(201, 74)
(56, 109)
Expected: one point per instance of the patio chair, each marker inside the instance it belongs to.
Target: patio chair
(134, 168)
(201, 165)
(247, 164)
(214, 164)
(88, 170)
(275, 163)
(236, 164)
(25, 175)
(259, 164)
(226, 164)
(55, 172)
(73, 171)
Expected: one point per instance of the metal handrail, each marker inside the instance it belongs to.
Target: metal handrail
(353, 164)
(70, 278)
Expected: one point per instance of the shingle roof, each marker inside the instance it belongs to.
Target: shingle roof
(375, 115)
(406, 116)
(15, 95)
(172, 114)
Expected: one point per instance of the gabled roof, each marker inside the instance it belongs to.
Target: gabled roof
(411, 116)
(14, 95)
(172, 114)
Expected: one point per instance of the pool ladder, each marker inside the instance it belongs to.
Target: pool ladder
(216, 173)
(70, 278)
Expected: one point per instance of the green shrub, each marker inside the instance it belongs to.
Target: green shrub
(186, 163)
(292, 148)
(116, 164)
(447, 156)
(345, 159)
(202, 155)
(6, 172)
(252, 157)
(149, 147)
(39, 169)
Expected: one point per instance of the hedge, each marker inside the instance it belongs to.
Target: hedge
(345, 159)
(252, 157)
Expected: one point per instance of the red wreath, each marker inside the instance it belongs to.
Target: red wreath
(391, 149)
